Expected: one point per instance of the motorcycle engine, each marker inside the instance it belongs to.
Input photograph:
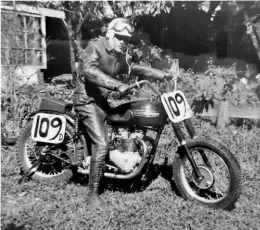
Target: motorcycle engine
(124, 151)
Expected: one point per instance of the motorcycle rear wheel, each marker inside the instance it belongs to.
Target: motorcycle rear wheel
(221, 186)
(50, 169)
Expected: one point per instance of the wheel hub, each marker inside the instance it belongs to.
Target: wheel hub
(207, 178)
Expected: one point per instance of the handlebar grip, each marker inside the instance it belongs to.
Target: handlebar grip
(127, 90)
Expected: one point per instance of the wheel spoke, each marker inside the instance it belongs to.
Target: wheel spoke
(217, 191)
(52, 170)
(56, 160)
(59, 158)
(206, 158)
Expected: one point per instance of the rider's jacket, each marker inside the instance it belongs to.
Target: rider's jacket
(99, 64)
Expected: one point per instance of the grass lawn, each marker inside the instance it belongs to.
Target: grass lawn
(35, 205)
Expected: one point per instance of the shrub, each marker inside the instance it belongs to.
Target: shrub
(18, 103)
(217, 82)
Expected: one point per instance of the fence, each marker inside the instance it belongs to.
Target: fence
(223, 111)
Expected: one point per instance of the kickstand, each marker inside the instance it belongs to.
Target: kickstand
(28, 171)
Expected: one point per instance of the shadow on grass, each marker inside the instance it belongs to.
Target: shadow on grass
(127, 186)
(135, 184)
(166, 173)
(13, 227)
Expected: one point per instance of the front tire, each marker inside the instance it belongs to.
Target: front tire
(50, 169)
(221, 186)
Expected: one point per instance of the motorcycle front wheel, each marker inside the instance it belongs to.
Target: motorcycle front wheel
(56, 166)
(220, 185)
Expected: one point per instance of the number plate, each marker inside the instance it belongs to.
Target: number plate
(49, 128)
(176, 106)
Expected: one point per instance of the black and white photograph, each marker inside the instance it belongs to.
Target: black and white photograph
(121, 115)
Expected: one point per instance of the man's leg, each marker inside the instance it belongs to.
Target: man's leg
(95, 123)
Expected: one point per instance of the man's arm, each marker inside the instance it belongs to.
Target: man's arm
(90, 58)
(149, 73)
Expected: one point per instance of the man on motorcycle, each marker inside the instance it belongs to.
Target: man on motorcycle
(100, 62)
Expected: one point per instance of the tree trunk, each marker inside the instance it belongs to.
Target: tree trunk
(72, 54)
(252, 33)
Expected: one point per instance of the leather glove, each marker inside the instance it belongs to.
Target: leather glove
(122, 87)
(168, 76)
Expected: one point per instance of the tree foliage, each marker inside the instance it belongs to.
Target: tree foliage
(186, 26)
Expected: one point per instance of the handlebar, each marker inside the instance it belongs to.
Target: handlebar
(138, 84)
(174, 70)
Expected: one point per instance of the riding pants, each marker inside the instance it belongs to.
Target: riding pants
(96, 126)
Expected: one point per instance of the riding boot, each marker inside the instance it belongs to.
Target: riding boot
(96, 172)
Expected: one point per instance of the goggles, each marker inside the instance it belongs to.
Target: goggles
(122, 38)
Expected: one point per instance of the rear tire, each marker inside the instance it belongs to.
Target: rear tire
(213, 193)
(53, 170)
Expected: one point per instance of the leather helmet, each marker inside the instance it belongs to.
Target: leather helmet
(120, 26)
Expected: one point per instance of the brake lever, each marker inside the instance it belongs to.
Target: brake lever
(123, 94)
(127, 91)
(119, 96)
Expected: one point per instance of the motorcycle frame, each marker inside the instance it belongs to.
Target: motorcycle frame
(74, 120)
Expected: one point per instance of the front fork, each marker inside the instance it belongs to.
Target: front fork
(183, 144)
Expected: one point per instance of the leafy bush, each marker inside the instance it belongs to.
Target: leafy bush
(19, 103)
(216, 82)
(220, 83)
(16, 105)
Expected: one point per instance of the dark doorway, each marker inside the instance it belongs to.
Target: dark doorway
(58, 50)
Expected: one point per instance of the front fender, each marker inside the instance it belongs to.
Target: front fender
(68, 118)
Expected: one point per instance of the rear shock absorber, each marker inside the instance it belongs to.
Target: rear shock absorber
(75, 140)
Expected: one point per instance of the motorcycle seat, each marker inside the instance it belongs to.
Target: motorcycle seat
(52, 104)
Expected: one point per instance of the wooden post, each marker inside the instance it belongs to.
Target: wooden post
(223, 114)
(41, 82)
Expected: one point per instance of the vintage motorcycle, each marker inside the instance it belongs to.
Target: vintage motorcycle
(54, 146)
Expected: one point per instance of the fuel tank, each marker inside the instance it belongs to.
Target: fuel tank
(144, 113)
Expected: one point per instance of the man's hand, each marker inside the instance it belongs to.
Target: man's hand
(168, 76)
(122, 88)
